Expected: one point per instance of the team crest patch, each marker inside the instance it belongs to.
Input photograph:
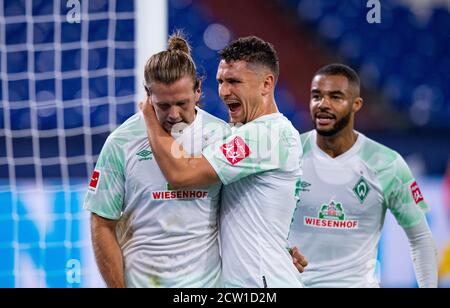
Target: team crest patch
(95, 180)
(236, 150)
(417, 194)
(361, 190)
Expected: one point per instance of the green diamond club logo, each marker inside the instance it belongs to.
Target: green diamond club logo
(332, 211)
(361, 190)
(144, 155)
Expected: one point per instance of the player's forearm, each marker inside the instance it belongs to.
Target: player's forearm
(181, 171)
(424, 255)
(108, 255)
(175, 169)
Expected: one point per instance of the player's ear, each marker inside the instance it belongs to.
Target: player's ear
(357, 104)
(269, 84)
(198, 90)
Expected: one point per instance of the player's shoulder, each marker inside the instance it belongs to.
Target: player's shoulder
(209, 118)
(131, 130)
(279, 122)
(213, 128)
(133, 127)
(285, 129)
(380, 157)
(278, 125)
(272, 125)
(307, 140)
(212, 123)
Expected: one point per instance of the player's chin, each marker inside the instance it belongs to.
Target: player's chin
(326, 132)
(323, 127)
(236, 118)
(167, 127)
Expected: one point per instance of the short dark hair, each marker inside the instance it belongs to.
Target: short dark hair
(253, 50)
(338, 69)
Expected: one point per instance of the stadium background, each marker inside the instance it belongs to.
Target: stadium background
(66, 86)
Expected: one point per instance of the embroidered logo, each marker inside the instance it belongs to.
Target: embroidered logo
(361, 190)
(236, 150)
(145, 155)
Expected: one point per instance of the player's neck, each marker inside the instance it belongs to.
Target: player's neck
(338, 144)
(265, 108)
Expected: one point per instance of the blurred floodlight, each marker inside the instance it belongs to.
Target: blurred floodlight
(216, 36)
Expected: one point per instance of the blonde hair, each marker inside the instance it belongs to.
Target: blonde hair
(172, 64)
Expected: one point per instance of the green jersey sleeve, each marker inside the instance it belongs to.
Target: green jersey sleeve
(253, 149)
(403, 196)
(107, 185)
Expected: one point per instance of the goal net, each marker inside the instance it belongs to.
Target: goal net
(70, 74)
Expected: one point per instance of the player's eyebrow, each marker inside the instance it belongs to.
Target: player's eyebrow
(230, 79)
(336, 93)
(183, 101)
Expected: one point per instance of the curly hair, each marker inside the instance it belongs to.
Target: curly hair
(253, 50)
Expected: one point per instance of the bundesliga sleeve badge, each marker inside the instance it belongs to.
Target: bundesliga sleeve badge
(236, 150)
(417, 194)
(95, 179)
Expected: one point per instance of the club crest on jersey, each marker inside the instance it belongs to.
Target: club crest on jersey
(361, 190)
(95, 180)
(417, 194)
(331, 216)
(236, 150)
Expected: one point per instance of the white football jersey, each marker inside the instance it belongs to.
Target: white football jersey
(259, 166)
(168, 238)
(343, 202)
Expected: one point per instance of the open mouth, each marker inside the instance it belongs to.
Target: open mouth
(234, 106)
(324, 118)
